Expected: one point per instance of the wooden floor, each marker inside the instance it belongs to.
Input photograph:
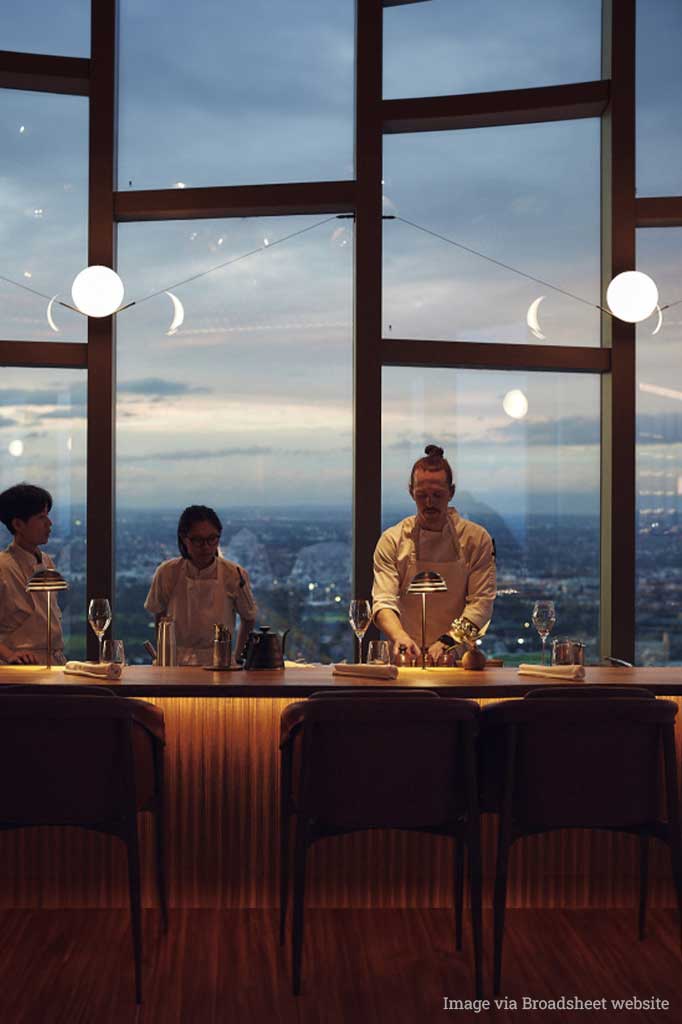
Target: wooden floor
(360, 966)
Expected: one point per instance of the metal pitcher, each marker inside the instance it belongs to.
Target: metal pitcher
(265, 649)
(568, 652)
(165, 643)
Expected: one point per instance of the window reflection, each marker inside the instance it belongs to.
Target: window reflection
(659, 85)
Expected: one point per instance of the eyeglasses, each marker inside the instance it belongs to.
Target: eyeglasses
(204, 542)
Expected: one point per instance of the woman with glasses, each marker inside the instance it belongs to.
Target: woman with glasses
(201, 588)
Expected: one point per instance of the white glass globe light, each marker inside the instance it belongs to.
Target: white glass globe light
(515, 404)
(16, 448)
(97, 291)
(632, 296)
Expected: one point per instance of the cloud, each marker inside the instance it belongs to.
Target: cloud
(40, 396)
(158, 387)
(198, 453)
(5, 421)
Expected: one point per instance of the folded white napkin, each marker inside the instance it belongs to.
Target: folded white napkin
(575, 672)
(99, 670)
(371, 671)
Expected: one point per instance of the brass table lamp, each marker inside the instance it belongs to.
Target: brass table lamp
(47, 580)
(426, 583)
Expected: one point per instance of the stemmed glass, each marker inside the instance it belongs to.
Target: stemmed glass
(99, 617)
(360, 616)
(544, 618)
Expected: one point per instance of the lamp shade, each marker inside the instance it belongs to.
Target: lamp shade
(427, 582)
(97, 291)
(47, 580)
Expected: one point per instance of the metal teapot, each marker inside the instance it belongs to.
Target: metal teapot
(264, 649)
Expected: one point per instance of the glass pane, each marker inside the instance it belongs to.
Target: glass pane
(532, 480)
(442, 47)
(43, 212)
(524, 195)
(43, 442)
(659, 86)
(659, 456)
(44, 26)
(208, 97)
(246, 408)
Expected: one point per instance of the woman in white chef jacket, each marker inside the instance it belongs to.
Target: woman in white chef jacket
(201, 588)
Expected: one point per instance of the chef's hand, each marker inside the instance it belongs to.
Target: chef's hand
(23, 658)
(436, 650)
(405, 640)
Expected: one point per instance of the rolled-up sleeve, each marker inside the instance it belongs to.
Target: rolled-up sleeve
(245, 602)
(386, 588)
(481, 584)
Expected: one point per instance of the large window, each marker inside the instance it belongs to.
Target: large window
(43, 213)
(213, 93)
(659, 86)
(537, 210)
(42, 441)
(245, 407)
(443, 47)
(44, 26)
(524, 448)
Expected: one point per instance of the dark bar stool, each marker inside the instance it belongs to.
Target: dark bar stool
(580, 760)
(91, 760)
(352, 762)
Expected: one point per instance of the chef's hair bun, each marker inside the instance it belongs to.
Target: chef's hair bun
(433, 450)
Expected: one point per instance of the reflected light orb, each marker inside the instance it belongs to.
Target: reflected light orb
(515, 404)
(16, 448)
(97, 291)
(632, 296)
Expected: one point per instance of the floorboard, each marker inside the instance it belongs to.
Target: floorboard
(366, 966)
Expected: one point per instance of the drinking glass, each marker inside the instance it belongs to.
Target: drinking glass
(360, 616)
(114, 651)
(378, 653)
(99, 617)
(544, 618)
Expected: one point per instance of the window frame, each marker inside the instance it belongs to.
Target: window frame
(612, 99)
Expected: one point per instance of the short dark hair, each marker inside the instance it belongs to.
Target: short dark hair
(433, 461)
(23, 501)
(191, 515)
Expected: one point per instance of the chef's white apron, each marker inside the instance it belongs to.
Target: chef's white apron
(196, 605)
(442, 607)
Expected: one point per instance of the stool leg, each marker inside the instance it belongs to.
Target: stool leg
(299, 899)
(135, 904)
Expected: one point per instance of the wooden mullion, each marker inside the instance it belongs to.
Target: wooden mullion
(367, 294)
(316, 197)
(619, 495)
(488, 109)
(50, 354)
(101, 332)
(39, 73)
(659, 212)
(495, 356)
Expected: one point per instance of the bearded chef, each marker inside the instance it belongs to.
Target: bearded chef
(436, 539)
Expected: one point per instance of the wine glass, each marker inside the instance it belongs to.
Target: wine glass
(360, 616)
(99, 617)
(544, 618)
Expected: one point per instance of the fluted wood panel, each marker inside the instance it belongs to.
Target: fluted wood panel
(222, 803)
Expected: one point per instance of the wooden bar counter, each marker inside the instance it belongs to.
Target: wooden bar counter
(222, 800)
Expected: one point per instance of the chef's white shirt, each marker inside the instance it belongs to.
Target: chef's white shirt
(467, 544)
(23, 615)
